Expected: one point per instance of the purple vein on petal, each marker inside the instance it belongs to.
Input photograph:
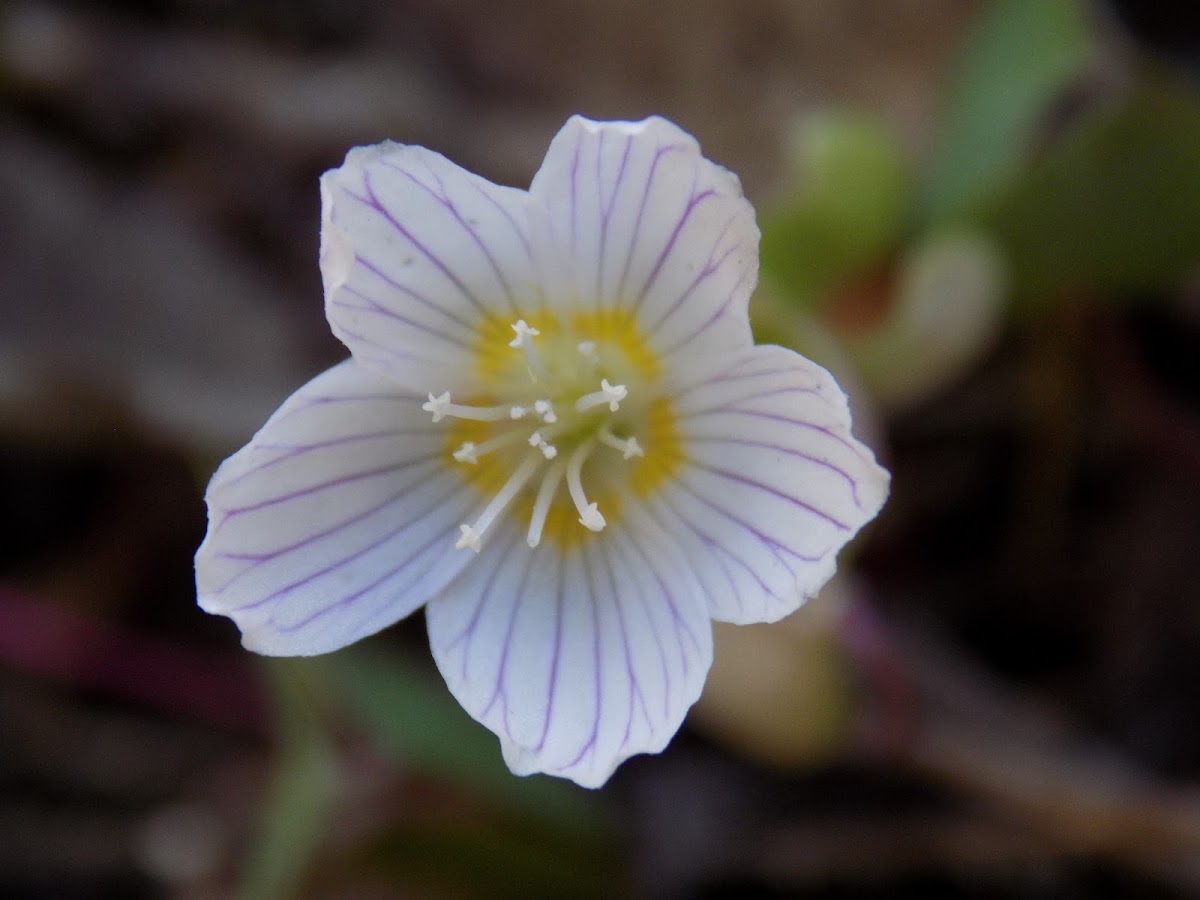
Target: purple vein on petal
(440, 536)
(670, 597)
(501, 691)
(693, 202)
(597, 670)
(719, 313)
(372, 200)
(504, 211)
(713, 545)
(826, 464)
(621, 545)
(375, 307)
(341, 480)
(574, 205)
(752, 529)
(634, 237)
(467, 633)
(635, 686)
(409, 292)
(848, 442)
(362, 551)
(726, 377)
(385, 352)
(774, 547)
(288, 452)
(556, 654)
(266, 556)
(309, 402)
(711, 267)
(718, 551)
(768, 489)
(442, 196)
(606, 209)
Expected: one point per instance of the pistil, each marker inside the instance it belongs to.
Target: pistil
(541, 504)
(524, 341)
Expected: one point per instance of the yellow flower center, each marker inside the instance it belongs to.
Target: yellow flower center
(566, 420)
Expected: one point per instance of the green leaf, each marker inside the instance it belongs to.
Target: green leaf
(1115, 207)
(1016, 63)
(301, 795)
(847, 208)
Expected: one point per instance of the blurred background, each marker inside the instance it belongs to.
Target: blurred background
(983, 216)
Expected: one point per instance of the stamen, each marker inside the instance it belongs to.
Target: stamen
(518, 412)
(545, 409)
(541, 504)
(587, 349)
(470, 452)
(524, 333)
(524, 342)
(589, 515)
(612, 394)
(467, 538)
(538, 440)
(629, 446)
(441, 407)
(471, 534)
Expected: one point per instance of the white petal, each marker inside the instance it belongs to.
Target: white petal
(414, 250)
(575, 660)
(629, 214)
(773, 487)
(336, 520)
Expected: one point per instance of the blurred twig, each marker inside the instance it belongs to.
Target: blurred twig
(1031, 767)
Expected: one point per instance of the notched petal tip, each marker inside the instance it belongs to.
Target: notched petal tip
(664, 127)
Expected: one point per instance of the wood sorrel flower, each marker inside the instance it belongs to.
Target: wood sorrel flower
(554, 432)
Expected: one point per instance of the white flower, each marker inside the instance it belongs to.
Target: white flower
(555, 432)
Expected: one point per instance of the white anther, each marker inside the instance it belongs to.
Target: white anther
(466, 453)
(592, 519)
(538, 440)
(629, 446)
(524, 333)
(518, 412)
(471, 534)
(612, 394)
(524, 341)
(468, 537)
(545, 409)
(587, 349)
(541, 504)
(437, 405)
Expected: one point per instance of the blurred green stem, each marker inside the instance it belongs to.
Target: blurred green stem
(301, 795)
